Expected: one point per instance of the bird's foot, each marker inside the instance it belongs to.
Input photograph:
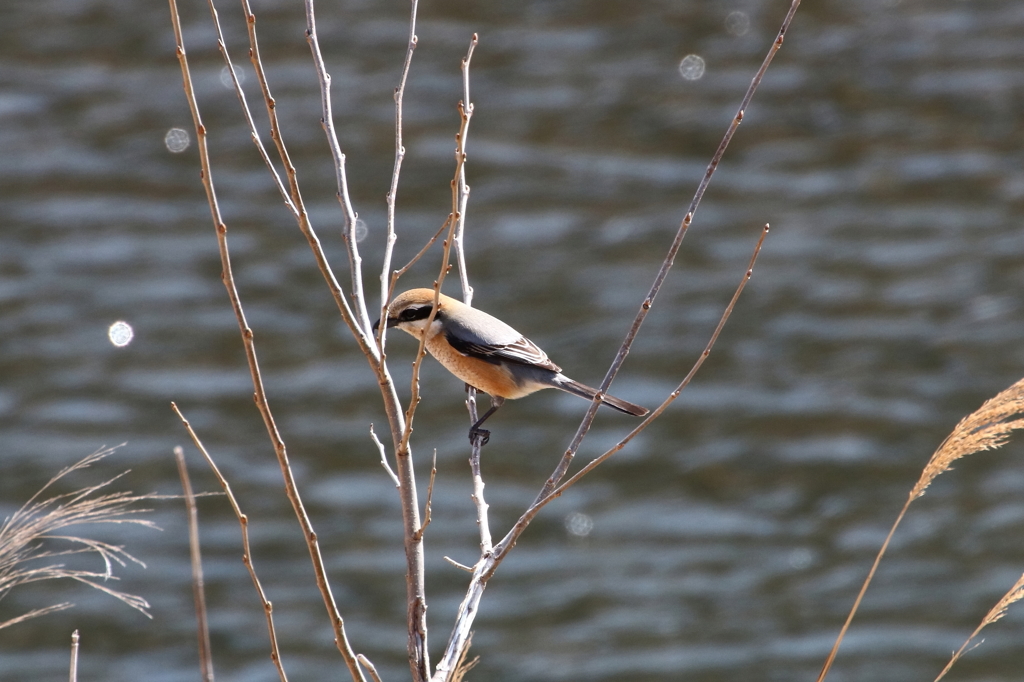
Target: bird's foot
(483, 434)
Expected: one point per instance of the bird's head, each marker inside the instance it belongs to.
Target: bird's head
(409, 311)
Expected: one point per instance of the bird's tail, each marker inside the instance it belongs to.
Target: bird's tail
(582, 390)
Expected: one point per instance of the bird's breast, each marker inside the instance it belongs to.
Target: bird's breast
(491, 378)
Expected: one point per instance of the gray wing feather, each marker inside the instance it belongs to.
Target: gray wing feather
(485, 337)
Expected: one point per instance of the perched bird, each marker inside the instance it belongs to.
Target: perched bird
(485, 353)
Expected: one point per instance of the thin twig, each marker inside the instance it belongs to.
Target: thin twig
(327, 121)
(463, 189)
(430, 497)
(401, 429)
(478, 481)
(384, 457)
(465, 114)
(73, 675)
(467, 298)
(243, 522)
(456, 564)
(240, 94)
(291, 195)
(648, 302)
(682, 385)
(510, 539)
(198, 586)
(426, 247)
(260, 396)
(485, 568)
(387, 281)
(490, 561)
(365, 662)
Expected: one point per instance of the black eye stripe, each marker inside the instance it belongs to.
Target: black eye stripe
(418, 313)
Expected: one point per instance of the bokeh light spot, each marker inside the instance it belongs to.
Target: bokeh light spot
(225, 77)
(692, 67)
(361, 229)
(120, 333)
(177, 140)
(579, 524)
(737, 23)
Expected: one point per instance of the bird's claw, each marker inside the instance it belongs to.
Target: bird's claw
(483, 434)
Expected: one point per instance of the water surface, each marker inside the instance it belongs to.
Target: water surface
(729, 540)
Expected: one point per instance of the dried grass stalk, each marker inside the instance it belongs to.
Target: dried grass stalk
(1015, 594)
(30, 539)
(463, 667)
(987, 428)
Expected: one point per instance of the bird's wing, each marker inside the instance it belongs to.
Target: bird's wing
(521, 351)
(476, 334)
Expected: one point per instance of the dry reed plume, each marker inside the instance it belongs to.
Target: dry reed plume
(987, 428)
(30, 540)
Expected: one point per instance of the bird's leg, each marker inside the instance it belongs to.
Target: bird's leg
(475, 431)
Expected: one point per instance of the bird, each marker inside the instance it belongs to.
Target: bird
(485, 353)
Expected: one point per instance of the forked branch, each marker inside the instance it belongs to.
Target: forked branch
(659, 279)
(243, 522)
(250, 353)
(489, 561)
(491, 558)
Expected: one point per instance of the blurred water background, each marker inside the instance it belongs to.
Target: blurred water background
(726, 543)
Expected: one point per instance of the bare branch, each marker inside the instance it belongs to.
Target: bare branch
(384, 457)
(246, 112)
(430, 497)
(485, 568)
(387, 282)
(683, 384)
(198, 586)
(426, 247)
(666, 265)
(73, 672)
(327, 121)
(457, 565)
(510, 539)
(292, 196)
(243, 522)
(365, 662)
(465, 114)
(250, 353)
(463, 189)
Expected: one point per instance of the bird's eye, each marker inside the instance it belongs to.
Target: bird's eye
(417, 313)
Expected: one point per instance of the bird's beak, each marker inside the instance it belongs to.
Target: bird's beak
(388, 323)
